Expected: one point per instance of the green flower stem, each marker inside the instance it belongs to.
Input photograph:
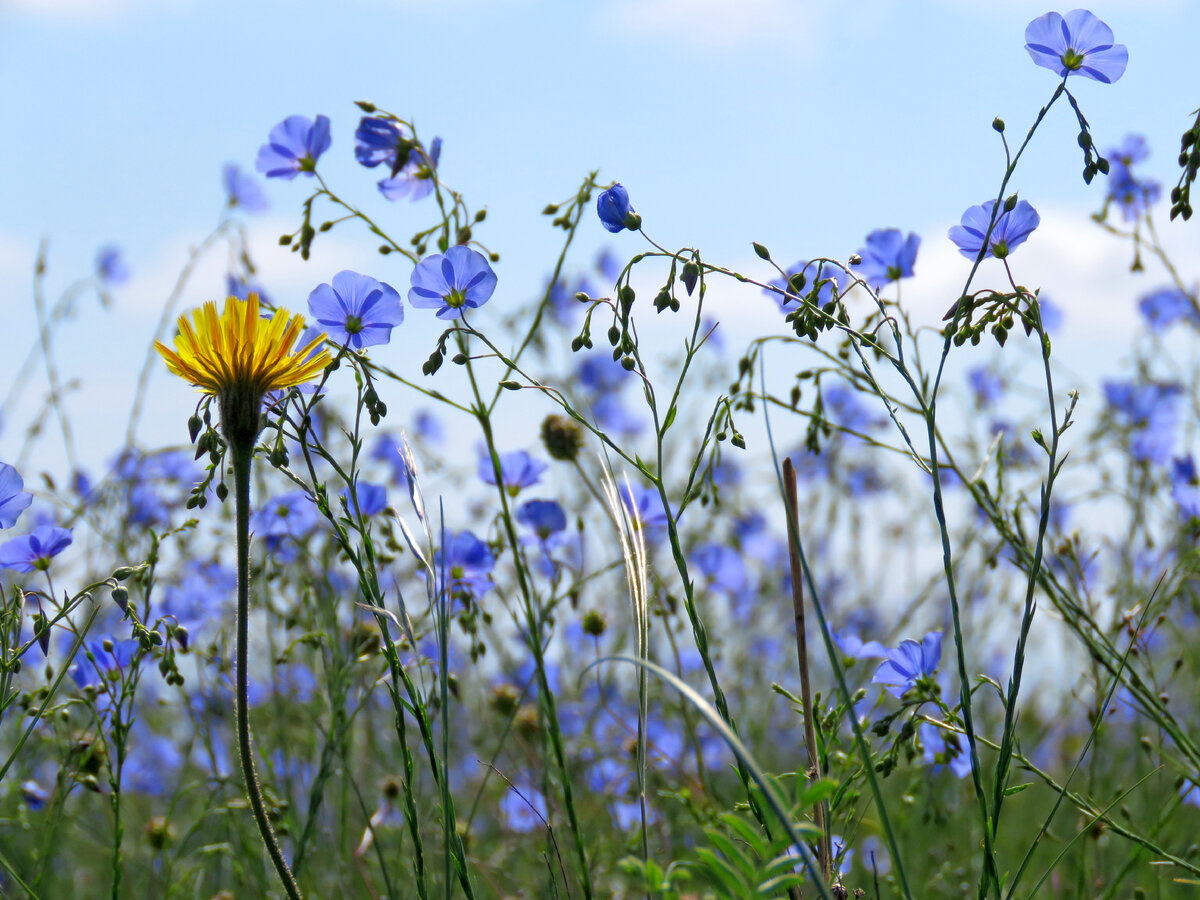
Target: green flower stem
(990, 876)
(243, 454)
(534, 619)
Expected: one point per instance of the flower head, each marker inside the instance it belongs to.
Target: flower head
(1134, 195)
(987, 385)
(238, 357)
(888, 257)
(612, 206)
(356, 310)
(856, 648)
(1185, 486)
(34, 550)
(14, 499)
(286, 518)
(293, 147)
(242, 190)
(467, 565)
(1150, 410)
(909, 663)
(371, 498)
(545, 517)
(451, 282)
(415, 179)
(723, 566)
(242, 288)
(382, 141)
(1163, 308)
(111, 267)
(1076, 44)
(644, 505)
(1011, 229)
(517, 470)
(944, 748)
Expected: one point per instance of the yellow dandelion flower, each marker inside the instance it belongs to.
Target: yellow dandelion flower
(238, 357)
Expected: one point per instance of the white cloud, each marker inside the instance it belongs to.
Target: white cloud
(711, 23)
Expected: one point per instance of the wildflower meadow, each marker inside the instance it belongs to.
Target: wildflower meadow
(585, 596)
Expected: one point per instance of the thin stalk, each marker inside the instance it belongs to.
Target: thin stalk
(824, 848)
(546, 699)
(242, 455)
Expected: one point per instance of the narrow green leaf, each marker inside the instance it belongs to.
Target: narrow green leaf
(733, 853)
(722, 873)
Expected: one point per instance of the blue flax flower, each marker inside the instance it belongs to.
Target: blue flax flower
(723, 566)
(607, 265)
(34, 550)
(242, 288)
(517, 470)
(1185, 486)
(428, 426)
(1052, 314)
(909, 663)
(383, 141)
(600, 374)
(856, 648)
(545, 517)
(111, 267)
(291, 515)
(612, 206)
(646, 504)
(1151, 412)
(1011, 230)
(939, 750)
(293, 147)
(524, 809)
(468, 565)
(415, 179)
(14, 499)
(451, 282)
(387, 450)
(242, 189)
(372, 498)
(1190, 792)
(356, 310)
(1077, 43)
(1132, 194)
(986, 385)
(888, 256)
(1163, 308)
(34, 795)
(200, 598)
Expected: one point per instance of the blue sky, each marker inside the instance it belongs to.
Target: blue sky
(803, 125)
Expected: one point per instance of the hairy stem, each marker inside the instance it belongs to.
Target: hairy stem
(242, 454)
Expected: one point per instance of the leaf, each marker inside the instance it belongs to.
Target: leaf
(819, 790)
(670, 420)
(751, 834)
(779, 885)
(733, 853)
(722, 874)
(1016, 788)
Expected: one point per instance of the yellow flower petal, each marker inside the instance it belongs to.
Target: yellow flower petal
(237, 352)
